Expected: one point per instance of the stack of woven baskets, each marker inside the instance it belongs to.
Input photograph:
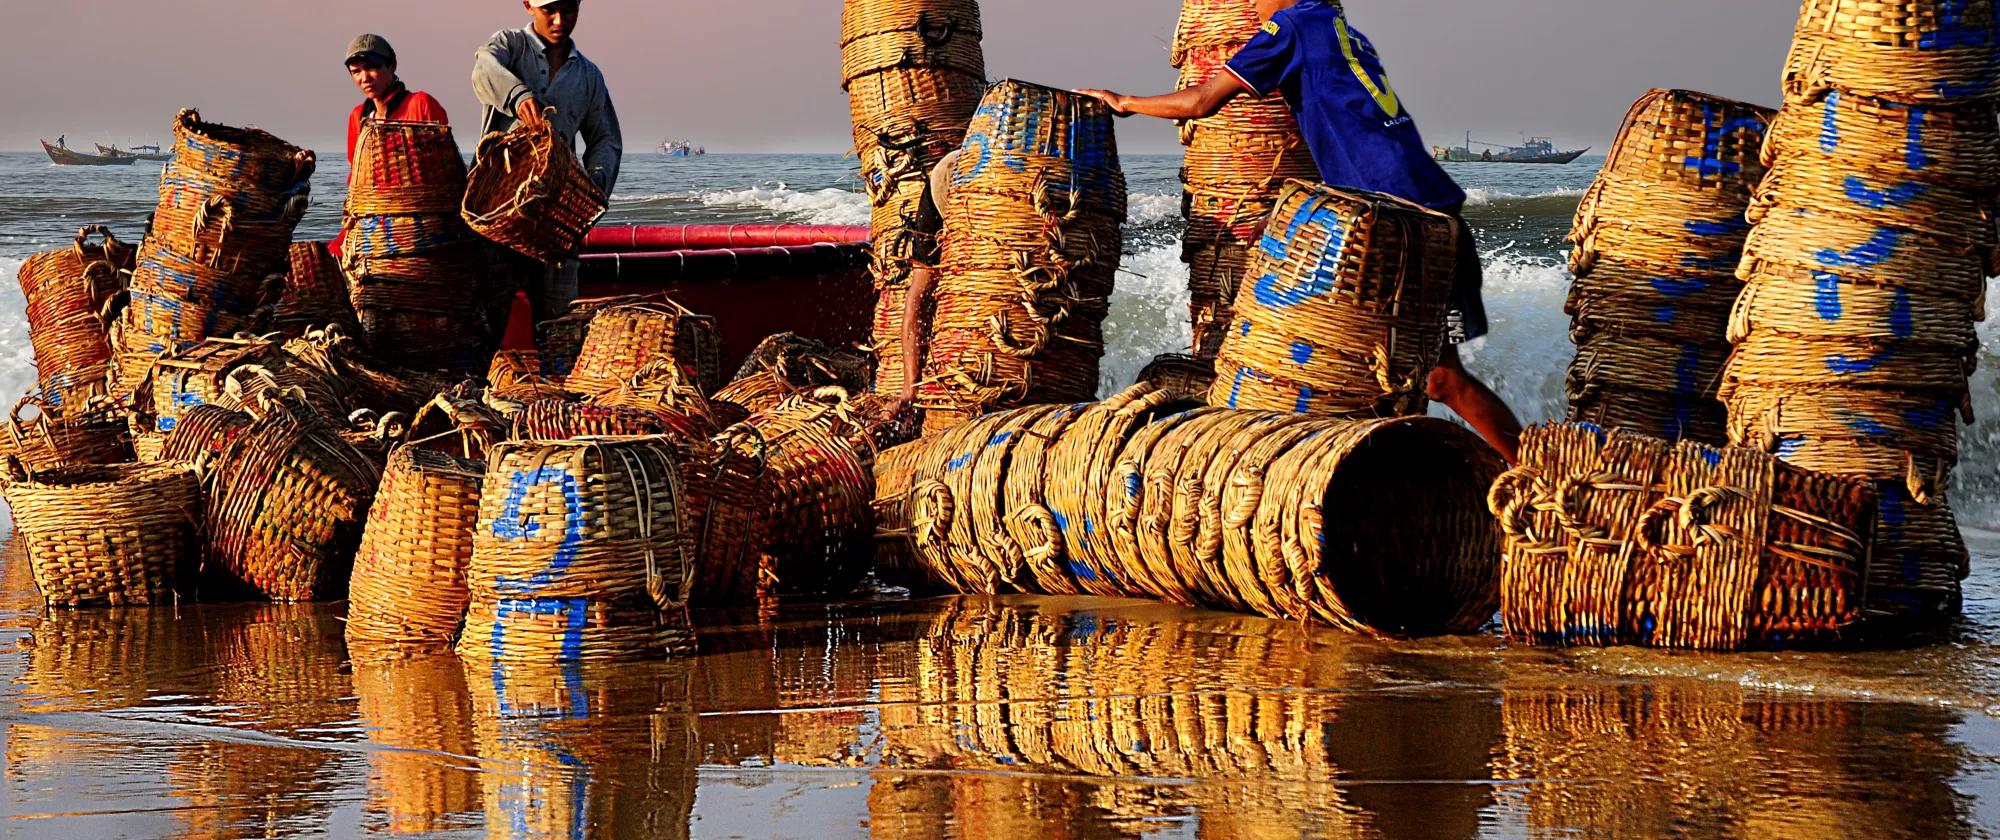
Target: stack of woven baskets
(314, 294)
(1618, 538)
(1874, 233)
(1343, 312)
(913, 71)
(1033, 235)
(625, 339)
(1375, 525)
(1236, 163)
(411, 262)
(1658, 237)
(229, 200)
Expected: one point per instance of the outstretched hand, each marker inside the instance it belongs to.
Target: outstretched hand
(1114, 101)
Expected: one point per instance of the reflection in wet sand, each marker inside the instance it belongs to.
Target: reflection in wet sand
(422, 776)
(1649, 760)
(959, 717)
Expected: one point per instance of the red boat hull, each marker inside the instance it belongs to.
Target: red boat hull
(756, 280)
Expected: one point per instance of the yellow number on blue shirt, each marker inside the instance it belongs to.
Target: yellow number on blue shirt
(1385, 96)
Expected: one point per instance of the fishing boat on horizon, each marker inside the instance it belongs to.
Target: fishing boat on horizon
(69, 157)
(1534, 150)
(681, 148)
(148, 152)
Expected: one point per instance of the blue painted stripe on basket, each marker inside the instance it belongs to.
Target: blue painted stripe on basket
(1898, 195)
(1724, 228)
(1826, 295)
(1062, 522)
(1902, 316)
(1789, 447)
(511, 525)
(1132, 485)
(998, 439)
(1301, 352)
(1843, 364)
(1931, 417)
(1676, 287)
(1304, 401)
(1829, 127)
(1877, 250)
(1866, 425)
(1687, 371)
(1958, 28)
(1914, 156)
(1711, 162)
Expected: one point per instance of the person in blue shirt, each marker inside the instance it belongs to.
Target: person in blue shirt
(1361, 136)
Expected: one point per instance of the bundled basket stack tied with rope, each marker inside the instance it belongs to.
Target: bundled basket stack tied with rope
(914, 71)
(314, 293)
(117, 534)
(1866, 268)
(408, 589)
(1378, 525)
(1658, 237)
(229, 200)
(70, 294)
(622, 340)
(287, 499)
(1342, 311)
(1236, 163)
(1618, 538)
(1033, 237)
(579, 553)
(412, 264)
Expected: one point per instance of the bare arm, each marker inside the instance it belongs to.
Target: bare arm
(913, 343)
(1198, 102)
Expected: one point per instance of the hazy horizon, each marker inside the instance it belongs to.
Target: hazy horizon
(731, 80)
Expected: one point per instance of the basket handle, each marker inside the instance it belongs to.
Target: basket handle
(14, 416)
(1694, 515)
(84, 233)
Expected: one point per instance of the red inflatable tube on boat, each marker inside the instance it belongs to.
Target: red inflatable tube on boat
(627, 238)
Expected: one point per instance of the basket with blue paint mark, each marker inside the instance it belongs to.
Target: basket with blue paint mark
(1165, 537)
(1919, 51)
(1616, 538)
(952, 486)
(1033, 236)
(105, 534)
(1342, 311)
(1810, 237)
(1079, 475)
(67, 292)
(1629, 299)
(1818, 304)
(405, 169)
(1648, 385)
(1895, 141)
(579, 554)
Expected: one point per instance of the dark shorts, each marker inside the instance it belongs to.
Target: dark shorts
(1465, 318)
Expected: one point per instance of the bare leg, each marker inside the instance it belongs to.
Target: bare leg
(1453, 385)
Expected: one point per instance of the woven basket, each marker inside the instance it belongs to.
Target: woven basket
(955, 505)
(315, 293)
(201, 436)
(878, 35)
(1811, 305)
(287, 502)
(414, 310)
(579, 553)
(1947, 213)
(726, 500)
(1178, 372)
(67, 294)
(1663, 414)
(459, 424)
(1921, 51)
(815, 527)
(106, 534)
(198, 376)
(528, 191)
(786, 365)
(1031, 248)
(1213, 275)
(1789, 421)
(1607, 367)
(1696, 142)
(1772, 360)
(83, 435)
(560, 339)
(914, 114)
(562, 420)
(383, 236)
(416, 712)
(1342, 311)
(259, 173)
(1858, 248)
(1621, 539)
(1164, 540)
(409, 574)
(1946, 145)
(1079, 475)
(1025, 498)
(1629, 299)
(516, 375)
(405, 168)
(624, 339)
(1245, 115)
(896, 560)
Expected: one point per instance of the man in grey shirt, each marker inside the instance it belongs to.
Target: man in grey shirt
(522, 72)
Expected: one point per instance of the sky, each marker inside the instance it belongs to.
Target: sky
(764, 75)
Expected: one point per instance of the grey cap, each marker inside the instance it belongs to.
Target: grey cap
(372, 47)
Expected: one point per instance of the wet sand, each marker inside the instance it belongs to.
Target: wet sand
(980, 717)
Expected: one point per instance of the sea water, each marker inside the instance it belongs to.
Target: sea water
(986, 717)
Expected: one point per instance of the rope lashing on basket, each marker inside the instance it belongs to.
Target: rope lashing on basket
(1693, 515)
